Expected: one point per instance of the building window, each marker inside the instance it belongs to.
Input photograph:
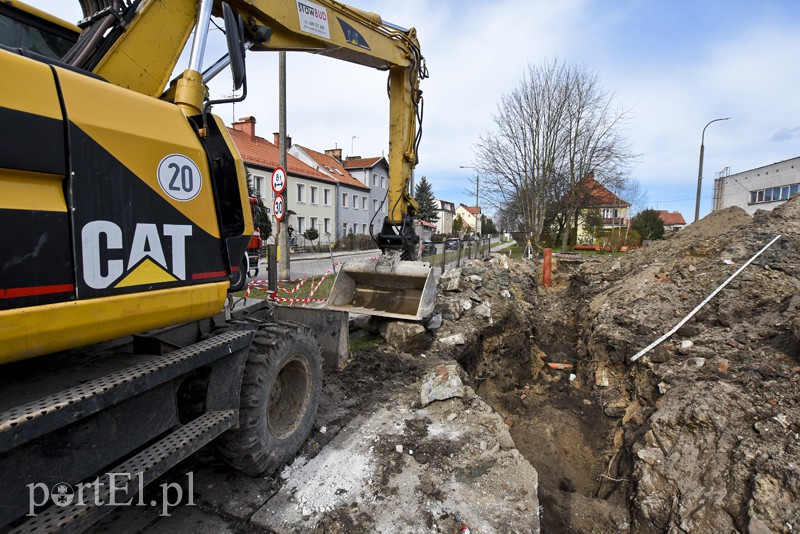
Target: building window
(326, 225)
(610, 213)
(344, 202)
(258, 185)
(364, 229)
(313, 223)
(374, 180)
(314, 192)
(301, 193)
(344, 229)
(375, 205)
(774, 194)
(383, 182)
(364, 203)
(301, 225)
(326, 196)
(355, 202)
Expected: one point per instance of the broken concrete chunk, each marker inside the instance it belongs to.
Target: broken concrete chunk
(450, 280)
(441, 384)
(475, 280)
(686, 344)
(435, 322)
(466, 305)
(484, 310)
(650, 456)
(405, 336)
(506, 294)
(452, 341)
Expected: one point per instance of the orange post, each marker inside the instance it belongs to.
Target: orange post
(546, 266)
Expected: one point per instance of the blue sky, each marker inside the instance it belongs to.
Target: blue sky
(674, 65)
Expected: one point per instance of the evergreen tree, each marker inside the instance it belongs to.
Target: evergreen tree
(648, 224)
(428, 207)
(458, 225)
(488, 227)
(265, 221)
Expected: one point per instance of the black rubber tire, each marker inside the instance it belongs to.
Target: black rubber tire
(281, 388)
(239, 278)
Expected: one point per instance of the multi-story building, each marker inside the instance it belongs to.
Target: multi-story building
(447, 213)
(374, 173)
(353, 209)
(471, 216)
(762, 188)
(595, 197)
(310, 194)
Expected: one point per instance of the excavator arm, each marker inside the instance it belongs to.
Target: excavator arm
(137, 47)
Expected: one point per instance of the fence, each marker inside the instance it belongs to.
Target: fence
(444, 258)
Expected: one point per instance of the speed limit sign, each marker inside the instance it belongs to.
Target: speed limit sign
(278, 180)
(277, 208)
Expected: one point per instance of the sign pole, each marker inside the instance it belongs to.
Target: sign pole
(283, 230)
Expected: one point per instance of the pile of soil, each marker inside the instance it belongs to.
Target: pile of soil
(707, 425)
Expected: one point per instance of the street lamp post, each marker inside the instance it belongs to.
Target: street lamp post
(477, 189)
(700, 170)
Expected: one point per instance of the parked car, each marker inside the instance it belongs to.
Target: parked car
(428, 248)
(452, 243)
(472, 239)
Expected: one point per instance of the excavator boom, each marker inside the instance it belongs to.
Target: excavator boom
(323, 27)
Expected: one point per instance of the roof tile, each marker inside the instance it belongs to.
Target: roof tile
(258, 151)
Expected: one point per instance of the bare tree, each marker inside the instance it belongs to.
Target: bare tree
(554, 130)
(595, 145)
(520, 158)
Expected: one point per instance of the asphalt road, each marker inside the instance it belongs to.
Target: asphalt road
(314, 264)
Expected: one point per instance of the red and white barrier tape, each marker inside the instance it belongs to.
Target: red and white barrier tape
(273, 295)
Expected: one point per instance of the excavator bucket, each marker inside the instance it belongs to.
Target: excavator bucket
(387, 287)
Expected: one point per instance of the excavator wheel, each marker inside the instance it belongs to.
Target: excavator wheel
(239, 278)
(280, 394)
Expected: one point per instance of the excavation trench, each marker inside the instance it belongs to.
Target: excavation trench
(558, 424)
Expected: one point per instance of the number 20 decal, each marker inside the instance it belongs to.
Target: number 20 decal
(179, 177)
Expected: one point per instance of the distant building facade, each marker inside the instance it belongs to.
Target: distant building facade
(447, 213)
(373, 173)
(353, 210)
(596, 197)
(673, 221)
(471, 216)
(310, 194)
(762, 188)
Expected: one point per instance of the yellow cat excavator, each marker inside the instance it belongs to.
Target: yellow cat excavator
(124, 209)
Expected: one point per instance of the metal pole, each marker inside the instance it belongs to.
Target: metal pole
(283, 229)
(700, 169)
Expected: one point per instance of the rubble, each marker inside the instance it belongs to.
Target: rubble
(707, 450)
(462, 422)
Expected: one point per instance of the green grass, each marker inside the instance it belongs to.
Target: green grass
(364, 341)
(322, 292)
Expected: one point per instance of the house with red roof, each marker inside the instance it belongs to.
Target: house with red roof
(596, 200)
(353, 210)
(310, 194)
(470, 215)
(374, 173)
(673, 221)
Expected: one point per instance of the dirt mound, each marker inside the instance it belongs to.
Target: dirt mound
(709, 421)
